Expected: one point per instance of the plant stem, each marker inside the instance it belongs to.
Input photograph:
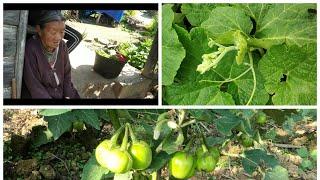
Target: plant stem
(181, 116)
(164, 115)
(125, 140)
(188, 123)
(229, 80)
(204, 127)
(223, 152)
(133, 137)
(254, 78)
(116, 136)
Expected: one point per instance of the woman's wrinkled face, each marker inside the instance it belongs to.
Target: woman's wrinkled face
(52, 34)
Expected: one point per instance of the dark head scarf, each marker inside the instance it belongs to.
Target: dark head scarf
(46, 16)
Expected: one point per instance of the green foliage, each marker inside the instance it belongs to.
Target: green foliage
(166, 132)
(257, 157)
(172, 50)
(52, 112)
(158, 161)
(136, 53)
(277, 172)
(93, 171)
(41, 136)
(303, 152)
(246, 54)
(309, 159)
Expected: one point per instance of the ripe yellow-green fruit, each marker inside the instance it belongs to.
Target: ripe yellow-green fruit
(118, 161)
(182, 165)
(102, 152)
(141, 154)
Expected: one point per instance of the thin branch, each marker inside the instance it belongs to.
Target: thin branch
(287, 146)
(204, 127)
(65, 164)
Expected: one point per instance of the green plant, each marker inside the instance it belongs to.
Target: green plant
(112, 55)
(211, 134)
(246, 54)
(309, 159)
(137, 54)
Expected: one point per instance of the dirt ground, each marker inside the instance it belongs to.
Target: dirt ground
(104, 34)
(83, 56)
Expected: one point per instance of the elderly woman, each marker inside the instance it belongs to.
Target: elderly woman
(47, 70)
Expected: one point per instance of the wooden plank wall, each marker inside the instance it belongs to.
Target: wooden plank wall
(14, 30)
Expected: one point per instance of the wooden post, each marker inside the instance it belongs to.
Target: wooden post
(148, 69)
(13, 88)
(21, 40)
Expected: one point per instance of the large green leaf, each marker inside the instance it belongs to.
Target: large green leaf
(124, 176)
(93, 171)
(197, 13)
(292, 24)
(225, 19)
(257, 157)
(278, 172)
(88, 116)
(241, 88)
(41, 135)
(52, 112)
(299, 67)
(226, 123)
(172, 50)
(195, 93)
(257, 11)
(60, 124)
(158, 161)
(196, 44)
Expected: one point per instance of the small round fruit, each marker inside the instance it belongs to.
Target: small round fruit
(206, 161)
(102, 152)
(246, 140)
(262, 119)
(141, 155)
(119, 161)
(78, 125)
(182, 165)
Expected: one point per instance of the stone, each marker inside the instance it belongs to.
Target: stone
(47, 172)
(35, 175)
(25, 167)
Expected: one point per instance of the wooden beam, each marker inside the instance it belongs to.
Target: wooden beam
(10, 17)
(9, 40)
(148, 69)
(8, 72)
(22, 33)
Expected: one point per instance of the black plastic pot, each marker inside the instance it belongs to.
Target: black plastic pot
(108, 68)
